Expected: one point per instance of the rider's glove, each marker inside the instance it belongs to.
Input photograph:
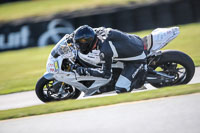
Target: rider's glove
(82, 71)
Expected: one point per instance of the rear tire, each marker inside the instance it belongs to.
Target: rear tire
(40, 86)
(172, 56)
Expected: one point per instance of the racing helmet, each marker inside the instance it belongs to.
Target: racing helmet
(85, 38)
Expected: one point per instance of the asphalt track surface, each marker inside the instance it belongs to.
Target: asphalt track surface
(179, 114)
(25, 99)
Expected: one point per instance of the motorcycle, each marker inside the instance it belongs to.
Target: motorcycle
(163, 68)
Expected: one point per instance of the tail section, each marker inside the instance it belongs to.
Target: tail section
(160, 37)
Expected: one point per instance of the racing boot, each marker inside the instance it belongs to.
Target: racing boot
(120, 90)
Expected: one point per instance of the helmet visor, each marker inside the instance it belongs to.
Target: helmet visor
(84, 41)
(84, 44)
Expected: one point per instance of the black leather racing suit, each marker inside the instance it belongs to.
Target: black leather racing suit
(119, 46)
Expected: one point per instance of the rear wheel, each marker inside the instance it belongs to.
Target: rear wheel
(177, 64)
(52, 90)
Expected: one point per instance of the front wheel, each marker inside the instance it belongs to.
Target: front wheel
(53, 90)
(177, 64)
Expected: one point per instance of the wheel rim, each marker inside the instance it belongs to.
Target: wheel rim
(55, 90)
(173, 69)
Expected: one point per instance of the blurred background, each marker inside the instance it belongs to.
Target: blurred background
(38, 23)
(31, 23)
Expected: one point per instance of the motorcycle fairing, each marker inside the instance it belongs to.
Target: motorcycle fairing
(72, 78)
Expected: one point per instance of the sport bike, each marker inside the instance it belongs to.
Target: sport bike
(163, 68)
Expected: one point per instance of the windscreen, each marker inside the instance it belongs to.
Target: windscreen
(63, 48)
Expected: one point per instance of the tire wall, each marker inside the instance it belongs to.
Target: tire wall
(31, 32)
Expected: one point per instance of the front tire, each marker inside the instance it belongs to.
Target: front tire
(46, 90)
(175, 63)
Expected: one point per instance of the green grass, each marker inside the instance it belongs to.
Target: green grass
(21, 69)
(88, 103)
(17, 10)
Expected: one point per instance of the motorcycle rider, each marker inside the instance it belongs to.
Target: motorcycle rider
(114, 45)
